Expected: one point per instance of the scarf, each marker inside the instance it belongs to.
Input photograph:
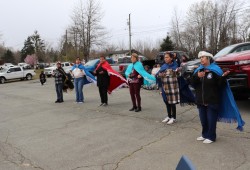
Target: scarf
(116, 80)
(148, 79)
(166, 66)
(228, 111)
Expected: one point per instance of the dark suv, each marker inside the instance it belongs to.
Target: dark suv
(160, 56)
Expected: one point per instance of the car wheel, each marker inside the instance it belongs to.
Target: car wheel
(2, 80)
(28, 76)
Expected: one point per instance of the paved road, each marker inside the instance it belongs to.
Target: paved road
(36, 133)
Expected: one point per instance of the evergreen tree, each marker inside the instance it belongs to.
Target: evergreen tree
(39, 46)
(8, 57)
(167, 44)
(34, 45)
(28, 48)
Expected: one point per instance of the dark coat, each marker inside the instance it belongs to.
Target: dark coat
(207, 89)
(103, 78)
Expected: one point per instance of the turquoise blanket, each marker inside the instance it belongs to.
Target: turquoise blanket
(229, 111)
(148, 79)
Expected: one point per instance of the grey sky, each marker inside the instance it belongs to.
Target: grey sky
(150, 19)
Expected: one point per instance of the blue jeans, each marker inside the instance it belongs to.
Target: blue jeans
(78, 82)
(208, 117)
(59, 91)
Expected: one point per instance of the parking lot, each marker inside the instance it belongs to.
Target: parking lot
(36, 133)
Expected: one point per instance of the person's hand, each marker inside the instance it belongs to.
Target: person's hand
(201, 74)
(101, 72)
(139, 76)
(226, 73)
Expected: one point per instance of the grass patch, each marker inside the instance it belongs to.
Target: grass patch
(38, 71)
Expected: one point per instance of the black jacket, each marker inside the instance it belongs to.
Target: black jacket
(102, 77)
(207, 88)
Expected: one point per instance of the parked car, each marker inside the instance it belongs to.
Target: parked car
(239, 66)
(49, 70)
(123, 63)
(24, 65)
(15, 72)
(189, 68)
(6, 65)
(92, 64)
(160, 56)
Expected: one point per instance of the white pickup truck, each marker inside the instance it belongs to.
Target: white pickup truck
(15, 72)
(49, 71)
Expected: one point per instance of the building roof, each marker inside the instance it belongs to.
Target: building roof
(109, 53)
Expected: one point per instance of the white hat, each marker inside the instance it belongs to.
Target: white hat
(204, 53)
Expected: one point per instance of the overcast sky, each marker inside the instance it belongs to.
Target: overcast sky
(149, 19)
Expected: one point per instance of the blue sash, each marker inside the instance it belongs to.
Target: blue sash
(148, 78)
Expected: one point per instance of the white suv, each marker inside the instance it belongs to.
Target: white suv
(49, 71)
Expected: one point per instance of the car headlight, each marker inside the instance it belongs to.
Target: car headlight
(243, 62)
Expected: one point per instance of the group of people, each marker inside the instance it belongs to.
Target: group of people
(213, 96)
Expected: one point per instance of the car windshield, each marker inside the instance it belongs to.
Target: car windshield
(124, 60)
(91, 63)
(194, 62)
(223, 52)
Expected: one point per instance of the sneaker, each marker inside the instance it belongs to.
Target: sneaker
(200, 138)
(105, 104)
(208, 141)
(166, 120)
(171, 121)
(80, 102)
(101, 104)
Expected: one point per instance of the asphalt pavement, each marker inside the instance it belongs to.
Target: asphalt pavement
(36, 133)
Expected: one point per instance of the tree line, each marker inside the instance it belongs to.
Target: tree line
(211, 25)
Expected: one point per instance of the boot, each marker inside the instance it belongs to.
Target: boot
(138, 109)
(133, 108)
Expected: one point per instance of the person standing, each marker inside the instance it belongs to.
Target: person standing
(42, 77)
(59, 76)
(136, 76)
(209, 82)
(155, 70)
(170, 87)
(103, 81)
(78, 72)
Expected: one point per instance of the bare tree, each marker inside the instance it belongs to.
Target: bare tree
(176, 29)
(147, 48)
(244, 26)
(210, 26)
(86, 32)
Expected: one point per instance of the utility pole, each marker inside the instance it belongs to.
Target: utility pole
(129, 25)
(66, 42)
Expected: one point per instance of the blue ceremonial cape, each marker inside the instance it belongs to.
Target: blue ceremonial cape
(89, 78)
(148, 79)
(186, 96)
(228, 111)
